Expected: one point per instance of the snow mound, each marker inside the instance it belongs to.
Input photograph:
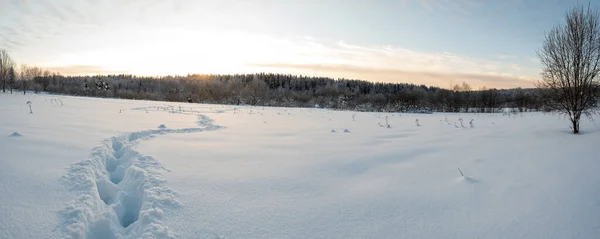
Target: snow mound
(333, 131)
(470, 180)
(162, 126)
(346, 131)
(15, 134)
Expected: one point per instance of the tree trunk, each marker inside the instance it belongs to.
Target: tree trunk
(575, 126)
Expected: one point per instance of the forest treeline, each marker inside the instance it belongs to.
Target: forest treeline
(287, 91)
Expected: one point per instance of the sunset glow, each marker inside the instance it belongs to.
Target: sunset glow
(230, 37)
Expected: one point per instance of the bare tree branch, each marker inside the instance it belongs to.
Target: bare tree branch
(6, 63)
(570, 59)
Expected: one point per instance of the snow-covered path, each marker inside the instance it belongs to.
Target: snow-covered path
(64, 173)
(121, 193)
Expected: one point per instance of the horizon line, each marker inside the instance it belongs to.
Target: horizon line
(58, 73)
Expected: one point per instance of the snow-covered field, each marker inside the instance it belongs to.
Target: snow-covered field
(105, 168)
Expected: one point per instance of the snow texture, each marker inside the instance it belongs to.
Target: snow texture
(87, 169)
(121, 191)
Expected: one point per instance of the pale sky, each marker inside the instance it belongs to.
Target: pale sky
(434, 42)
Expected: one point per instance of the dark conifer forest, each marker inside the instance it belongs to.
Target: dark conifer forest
(289, 91)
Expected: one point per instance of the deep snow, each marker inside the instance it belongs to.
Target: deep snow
(106, 168)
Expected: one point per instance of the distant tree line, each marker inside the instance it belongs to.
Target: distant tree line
(285, 91)
(267, 89)
(570, 84)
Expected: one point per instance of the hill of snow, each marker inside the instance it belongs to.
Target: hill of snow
(106, 168)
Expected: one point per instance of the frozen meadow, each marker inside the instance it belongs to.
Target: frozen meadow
(106, 168)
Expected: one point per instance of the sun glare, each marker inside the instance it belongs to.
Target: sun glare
(180, 52)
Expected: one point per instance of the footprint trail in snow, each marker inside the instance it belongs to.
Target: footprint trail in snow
(121, 193)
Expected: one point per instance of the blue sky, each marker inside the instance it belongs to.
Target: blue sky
(435, 42)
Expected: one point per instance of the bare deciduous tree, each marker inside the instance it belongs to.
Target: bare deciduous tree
(12, 76)
(6, 63)
(28, 73)
(570, 59)
(24, 77)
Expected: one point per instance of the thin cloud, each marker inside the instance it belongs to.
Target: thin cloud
(74, 70)
(442, 79)
(388, 63)
(458, 7)
(238, 52)
(504, 57)
(54, 10)
(11, 43)
(80, 37)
